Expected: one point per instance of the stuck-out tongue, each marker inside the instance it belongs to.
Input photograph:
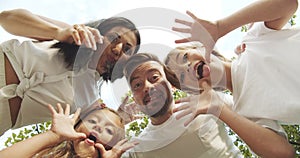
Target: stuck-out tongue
(205, 71)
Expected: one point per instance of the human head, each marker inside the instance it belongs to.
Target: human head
(193, 70)
(101, 125)
(148, 81)
(124, 41)
(85, 147)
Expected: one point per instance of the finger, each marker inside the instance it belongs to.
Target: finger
(125, 100)
(101, 148)
(97, 35)
(83, 35)
(184, 22)
(180, 108)
(60, 109)
(121, 142)
(129, 145)
(67, 110)
(186, 123)
(184, 40)
(76, 114)
(185, 99)
(182, 30)
(75, 34)
(191, 15)
(80, 135)
(91, 37)
(76, 37)
(52, 110)
(182, 114)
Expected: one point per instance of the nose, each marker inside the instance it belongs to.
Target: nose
(117, 50)
(188, 66)
(149, 87)
(97, 128)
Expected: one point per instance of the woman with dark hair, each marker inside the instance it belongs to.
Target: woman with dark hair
(96, 132)
(65, 64)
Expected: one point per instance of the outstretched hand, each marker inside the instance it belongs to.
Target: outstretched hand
(201, 30)
(129, 111)
(208, 102)
(63, 125)
(117, 150)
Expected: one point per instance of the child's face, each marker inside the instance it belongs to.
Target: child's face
(100, 126)
(192, 69)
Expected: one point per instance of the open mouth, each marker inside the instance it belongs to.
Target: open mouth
(199, 69)
(92, 137)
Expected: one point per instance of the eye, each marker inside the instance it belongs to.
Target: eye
(137, 85)
(113, 37)
(127, 49)
(91, 121)
(181, 77)
(109, 131)
(154, 77)
(185, 57)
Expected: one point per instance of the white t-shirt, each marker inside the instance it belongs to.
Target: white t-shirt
(265, 77)
(44, 79)
(205, 137)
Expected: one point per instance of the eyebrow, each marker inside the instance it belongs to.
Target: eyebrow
(133, 78)
(177, 56)
(148, 71)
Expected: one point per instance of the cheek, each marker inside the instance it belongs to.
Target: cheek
(137, 96)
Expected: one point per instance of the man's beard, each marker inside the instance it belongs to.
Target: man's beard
(166, 105)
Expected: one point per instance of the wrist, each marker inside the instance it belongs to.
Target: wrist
(53, 137)
(55, 31)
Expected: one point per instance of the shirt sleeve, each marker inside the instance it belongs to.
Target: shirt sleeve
(256, 30)
(273, 125)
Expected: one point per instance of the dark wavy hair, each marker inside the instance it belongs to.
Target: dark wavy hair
(70, 52)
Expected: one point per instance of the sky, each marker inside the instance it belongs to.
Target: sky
(156, 35)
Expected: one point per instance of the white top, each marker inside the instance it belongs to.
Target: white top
(266, 76)
(205, 137)
(44, 80)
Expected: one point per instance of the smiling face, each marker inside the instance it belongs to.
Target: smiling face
(100, 126)
(151, 90)
(119, 44)
(192, 69)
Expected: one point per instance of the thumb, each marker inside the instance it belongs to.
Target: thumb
(205, 86)
(101, 148)
(81, 135)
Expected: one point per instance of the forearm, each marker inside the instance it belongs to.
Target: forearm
(31, 146)
(23, 23)
(264, 142)
(274, 12)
